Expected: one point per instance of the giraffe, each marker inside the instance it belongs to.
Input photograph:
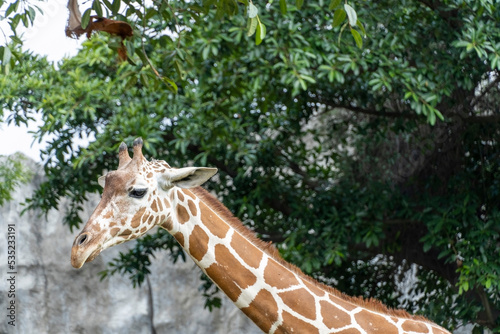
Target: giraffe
(274, 294)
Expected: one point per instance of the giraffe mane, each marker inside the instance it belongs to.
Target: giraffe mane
(269, 248)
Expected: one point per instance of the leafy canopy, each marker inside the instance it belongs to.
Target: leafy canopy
(362, 164)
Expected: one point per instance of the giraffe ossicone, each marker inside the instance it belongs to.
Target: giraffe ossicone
(274, 294)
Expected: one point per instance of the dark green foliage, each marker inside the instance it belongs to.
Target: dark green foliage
(360, 164)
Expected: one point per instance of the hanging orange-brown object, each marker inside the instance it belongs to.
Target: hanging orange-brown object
(118, 28)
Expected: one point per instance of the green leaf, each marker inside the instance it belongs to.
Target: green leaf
(361, 27)
(12, 8)
(334, 4)
(339, 17)
(31, 14)
(351, 14)
(171, 84)
(142, 56)
(299, 3)
(260, 33)
(16, 39)
(96, 5)
(465, 286)
(86, 18)
(144, 79)
(357, 38)
(283, 7)
(431, 117)
(252, 11)
(115, 6)
(7, 54)
(252, 26)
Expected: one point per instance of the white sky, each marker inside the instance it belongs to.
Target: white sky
(46, 37)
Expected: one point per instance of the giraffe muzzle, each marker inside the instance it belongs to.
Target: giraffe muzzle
(84, 250)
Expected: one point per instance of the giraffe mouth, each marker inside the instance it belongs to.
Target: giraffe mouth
(93, 255)
(78, 258)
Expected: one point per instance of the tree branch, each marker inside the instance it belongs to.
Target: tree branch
(492, 84)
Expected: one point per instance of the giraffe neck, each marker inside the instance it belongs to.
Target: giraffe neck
(275, 295)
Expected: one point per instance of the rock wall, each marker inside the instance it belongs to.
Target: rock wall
(53, 297)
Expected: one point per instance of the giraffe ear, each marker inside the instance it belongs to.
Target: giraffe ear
(102, 180)
(188, 177)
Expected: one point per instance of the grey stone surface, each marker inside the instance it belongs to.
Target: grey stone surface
(53, 297)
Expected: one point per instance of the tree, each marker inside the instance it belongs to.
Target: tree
(359, 163)
(12, 173)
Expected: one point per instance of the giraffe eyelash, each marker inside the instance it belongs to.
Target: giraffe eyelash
(138, 193)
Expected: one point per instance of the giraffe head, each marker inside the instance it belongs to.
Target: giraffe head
(135, 198)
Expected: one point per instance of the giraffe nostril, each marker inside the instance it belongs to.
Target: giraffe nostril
(81, 239)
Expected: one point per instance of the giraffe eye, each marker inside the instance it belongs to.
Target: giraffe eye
(138, 193)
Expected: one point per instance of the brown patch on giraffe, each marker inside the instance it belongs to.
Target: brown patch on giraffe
(150, 175)
(246, 250)
(160, 207)
(136, 220)
(301, 301)
(213, 205)
(154, 206)
(333, 317)
(212, 221)
(151, 219)
(189, 194)
(108, 215)
(167, 224)
(182, 214)
(112, 224)
(166, 203)
(180, 195)
(96, 228)
(143, 230)
(343, 303)
(292, 324)
(229, 274)
(374, 323)
(412, 326)
(180, 238)
(314, 289)
(263, 310)
(198, 243)
(192, 208)
(145, 220)
(126, 233)
(114, 231)
(276, 276)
